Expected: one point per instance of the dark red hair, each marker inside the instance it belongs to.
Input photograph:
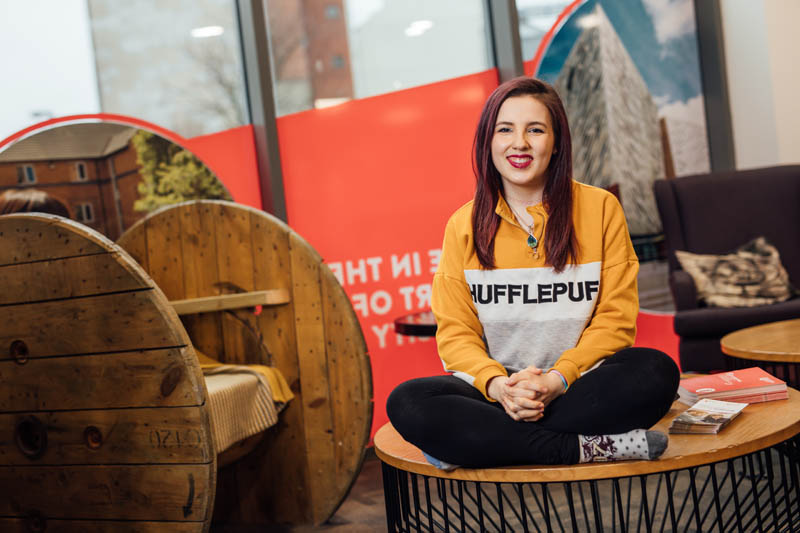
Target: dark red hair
(559, 242)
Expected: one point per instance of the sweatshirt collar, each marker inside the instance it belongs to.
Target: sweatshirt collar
(504, 211)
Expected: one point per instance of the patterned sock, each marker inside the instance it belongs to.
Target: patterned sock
(441, 465)
(638, 444)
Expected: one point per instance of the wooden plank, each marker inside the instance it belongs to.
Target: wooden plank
(26, 238)
(148, 492)
(235, 264)
(127, 379)
(109, 323)
(23, 525)
(230, 301)
(351, 393)
(243, 496)
(116, 436)
(313, 364)
(198, 249)
(164, 253)
(134, 242)
(272, 269)
(66, 278)
(239, 450)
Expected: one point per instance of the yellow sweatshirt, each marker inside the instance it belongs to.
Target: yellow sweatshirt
(495, 322)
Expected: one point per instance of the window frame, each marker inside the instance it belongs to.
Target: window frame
(84, 212)
(78, 166)
(26, 174)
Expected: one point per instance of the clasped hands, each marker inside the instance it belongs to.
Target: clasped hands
(526, 393)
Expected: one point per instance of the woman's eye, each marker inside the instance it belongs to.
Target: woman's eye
(503, 130)
(535, 130)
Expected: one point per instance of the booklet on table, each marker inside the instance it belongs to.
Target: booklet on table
(706, 416)
(748, 385)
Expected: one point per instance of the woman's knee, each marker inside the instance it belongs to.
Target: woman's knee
(651, 362)
(401, 399)
(409, 400)
(654, 371)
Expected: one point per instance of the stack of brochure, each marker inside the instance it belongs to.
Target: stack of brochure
(706, 416)
(749, 385)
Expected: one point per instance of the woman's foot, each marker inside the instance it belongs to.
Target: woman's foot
(638, 444)
(442, 465)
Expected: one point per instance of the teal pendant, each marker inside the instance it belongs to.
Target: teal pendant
(533, 242)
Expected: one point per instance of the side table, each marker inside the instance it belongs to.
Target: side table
(775, 347)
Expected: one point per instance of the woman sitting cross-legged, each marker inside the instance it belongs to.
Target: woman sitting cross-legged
(535, 299)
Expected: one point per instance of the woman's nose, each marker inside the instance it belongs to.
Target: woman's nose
(520, 141)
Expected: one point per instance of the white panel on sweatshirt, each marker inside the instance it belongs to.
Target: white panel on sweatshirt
(530, 316)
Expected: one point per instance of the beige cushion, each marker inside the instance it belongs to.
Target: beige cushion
(752, 275)
(240, 404)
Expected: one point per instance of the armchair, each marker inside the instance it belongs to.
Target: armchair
(713, 214)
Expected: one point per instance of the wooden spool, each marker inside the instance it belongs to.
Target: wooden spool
(103, 424)
(304, 467)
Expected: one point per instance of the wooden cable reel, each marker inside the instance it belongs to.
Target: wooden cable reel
(103, 424)
(305, 465)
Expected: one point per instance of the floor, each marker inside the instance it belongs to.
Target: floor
(363, 511)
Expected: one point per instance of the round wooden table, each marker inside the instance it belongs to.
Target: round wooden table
(774, 347)
(743, 479)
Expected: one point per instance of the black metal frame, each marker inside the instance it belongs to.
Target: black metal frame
(785, 370)
(759, 491)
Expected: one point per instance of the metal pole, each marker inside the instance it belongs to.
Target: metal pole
(715, 85)
(506, 43)
(254, 33)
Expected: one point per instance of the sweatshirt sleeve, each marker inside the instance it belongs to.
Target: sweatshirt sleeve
(613, 323)
(459, 334)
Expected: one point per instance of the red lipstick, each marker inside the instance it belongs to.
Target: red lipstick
(519, 161)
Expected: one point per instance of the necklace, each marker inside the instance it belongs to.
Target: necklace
(533, 242)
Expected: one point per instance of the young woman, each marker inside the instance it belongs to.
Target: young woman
(536, 301)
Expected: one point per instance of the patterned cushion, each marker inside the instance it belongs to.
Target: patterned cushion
(750, 276)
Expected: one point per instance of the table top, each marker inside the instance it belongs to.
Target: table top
(776, 341)
(759, 426)
(422, 324)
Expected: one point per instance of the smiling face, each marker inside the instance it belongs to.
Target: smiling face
(522, 144)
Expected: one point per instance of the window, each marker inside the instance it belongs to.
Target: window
(80, 171)
(175, 63)
(535, 20)
(84, 213)
(380, 46)
(25, 174)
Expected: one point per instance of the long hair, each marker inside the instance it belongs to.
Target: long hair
(560, 243)
(31, 200)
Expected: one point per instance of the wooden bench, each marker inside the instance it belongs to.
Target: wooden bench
(743, 479)
(103, 418)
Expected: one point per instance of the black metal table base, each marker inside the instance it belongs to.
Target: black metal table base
(787, 371)
(756, 492)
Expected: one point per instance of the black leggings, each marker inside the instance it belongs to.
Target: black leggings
(452, 421)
